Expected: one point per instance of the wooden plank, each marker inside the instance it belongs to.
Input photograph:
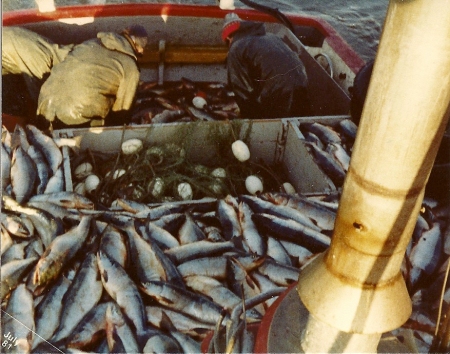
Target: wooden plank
(186, 55)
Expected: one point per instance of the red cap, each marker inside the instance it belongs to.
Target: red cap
(231, 24)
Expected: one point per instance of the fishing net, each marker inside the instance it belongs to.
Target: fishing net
(154, 173)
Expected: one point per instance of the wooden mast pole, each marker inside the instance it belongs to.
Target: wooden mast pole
(356, 286)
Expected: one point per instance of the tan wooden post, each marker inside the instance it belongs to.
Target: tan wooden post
(356, 286)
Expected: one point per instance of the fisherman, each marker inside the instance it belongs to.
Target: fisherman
(268, 79)
(27, 59)
(96, 83)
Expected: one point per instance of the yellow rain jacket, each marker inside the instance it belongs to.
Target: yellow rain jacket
(99, 75)
(31, 55)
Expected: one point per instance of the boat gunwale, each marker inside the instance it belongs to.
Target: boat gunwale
(334, 40)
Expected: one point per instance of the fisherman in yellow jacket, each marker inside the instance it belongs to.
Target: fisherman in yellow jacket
(29, 56)
(96, 83)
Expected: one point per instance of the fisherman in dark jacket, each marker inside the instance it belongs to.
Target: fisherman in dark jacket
(268, 78)
(97, 80)
(27, 59)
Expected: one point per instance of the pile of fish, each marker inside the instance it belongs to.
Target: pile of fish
(331, 147)
(157, 278)
(183, 101)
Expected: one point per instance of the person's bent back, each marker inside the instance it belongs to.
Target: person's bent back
(99, 77)
(30, 55)
(268, 79)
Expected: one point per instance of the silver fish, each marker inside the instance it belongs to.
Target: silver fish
(293, 231)
(6, 167)
(56, 182)
(47, 146)
(70, 200)
(49, 310)
(156, 212)
(325, 133)
(187, 302)
(62, 249)
(151, 262)
(297, 252)
(268, 204)
(43, 169)
(426, 254)
(241, 283)
(322, 217)
(250, 233)
(198, 249)
(215, 267)
(56, 210)
(83, 294)
(122, 289)
(340, 155)
(90, 329)
(14, 225)
(19, 138)
(23, 175)
(6, 240)
(280, 274)
(151, 231)
(190, 232)
(219, 293)
(228, 218)
(161, 343)
(15, 252)
(349, 128)
(183, 323)
(276, 250)
(12, 273)
(328, 164)
(18, 320)
(114, 244)
(119, 335)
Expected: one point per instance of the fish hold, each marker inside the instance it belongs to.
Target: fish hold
(293, 231)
